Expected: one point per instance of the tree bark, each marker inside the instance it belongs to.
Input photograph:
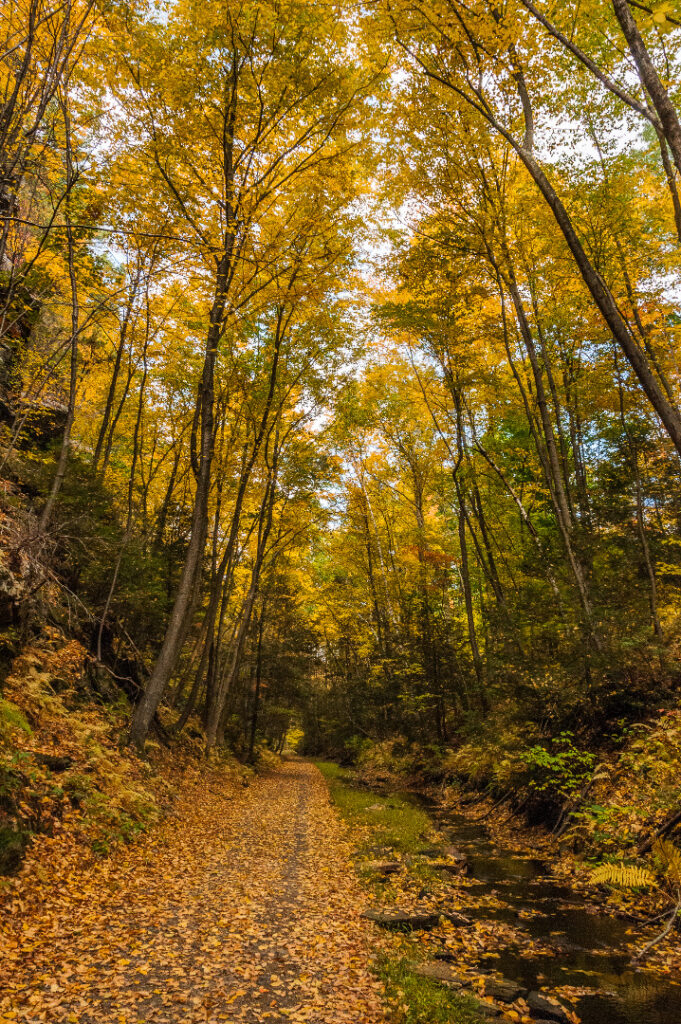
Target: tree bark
(62, 462)
(185, 598)
(650, 79)
(256, 690)
(183, 607)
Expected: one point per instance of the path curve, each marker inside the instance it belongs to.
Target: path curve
(242, 907)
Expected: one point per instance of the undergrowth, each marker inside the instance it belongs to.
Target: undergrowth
(64, 778)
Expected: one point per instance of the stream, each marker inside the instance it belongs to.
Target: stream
(584, 946)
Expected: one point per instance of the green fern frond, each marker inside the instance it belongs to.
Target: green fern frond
(629, 876)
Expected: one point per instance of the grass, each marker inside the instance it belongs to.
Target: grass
(405, 828)
(420, 1000)
(400, 824)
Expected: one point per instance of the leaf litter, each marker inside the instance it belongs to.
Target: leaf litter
(241, 907)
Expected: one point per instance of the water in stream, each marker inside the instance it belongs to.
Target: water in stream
(589, 944)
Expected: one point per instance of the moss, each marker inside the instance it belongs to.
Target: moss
(11, 719)
(405, 827)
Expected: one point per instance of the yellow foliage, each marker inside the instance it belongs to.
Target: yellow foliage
(669, 856)
(629, 876)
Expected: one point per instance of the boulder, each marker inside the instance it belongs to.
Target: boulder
(404, 920)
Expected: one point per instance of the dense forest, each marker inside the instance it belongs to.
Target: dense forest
(340, 390)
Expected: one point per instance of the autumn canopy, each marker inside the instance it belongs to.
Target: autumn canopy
(340, 393)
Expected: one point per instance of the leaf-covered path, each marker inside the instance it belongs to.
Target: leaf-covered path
(241, 907)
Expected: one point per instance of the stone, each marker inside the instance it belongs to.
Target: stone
(55, 762)
(382, 867)
(486, 1009)
(542, 1008)
(406, 920)
(452, 868)
(441, 972)
(376, 807)
(458, 920)
(503, 990)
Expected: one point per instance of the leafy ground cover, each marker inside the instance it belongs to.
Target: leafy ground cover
(483, 924)
(419, 1000)
(240, 906)
(597, 817)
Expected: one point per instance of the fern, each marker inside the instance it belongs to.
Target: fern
(629, 876)
(670, 858)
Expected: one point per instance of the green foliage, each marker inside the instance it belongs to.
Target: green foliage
(666, 869)
(454, 577)
(561, 770)
(395, 822)
(421, 1000)
(397, 759)
(114, 826)
(11, 718)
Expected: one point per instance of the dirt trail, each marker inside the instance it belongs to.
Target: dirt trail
(242, 907)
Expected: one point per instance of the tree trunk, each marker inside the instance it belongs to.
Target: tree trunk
(256, 689)
(183, 607)
(217, 704)
(650, 79)
(603, 298)
(75, 331)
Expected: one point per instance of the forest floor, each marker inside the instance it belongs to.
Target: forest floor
(241, 906)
